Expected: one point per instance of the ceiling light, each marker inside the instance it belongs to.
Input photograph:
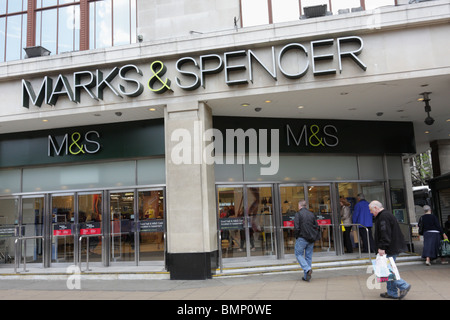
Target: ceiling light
(427, 132)
(44, 120)
(268, 101)
(300, 107)
(152, 109)
(245, 104)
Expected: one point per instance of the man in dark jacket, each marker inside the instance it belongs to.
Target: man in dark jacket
(306, 232)
(389, 240)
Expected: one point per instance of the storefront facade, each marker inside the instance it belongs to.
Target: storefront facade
(192, 151)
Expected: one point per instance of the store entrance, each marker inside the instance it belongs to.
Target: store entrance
(320, 202)
(101, 227)
(137, 226)
(258, 220)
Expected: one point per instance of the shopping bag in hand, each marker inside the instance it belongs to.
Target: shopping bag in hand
(385, 269)
(444, 250)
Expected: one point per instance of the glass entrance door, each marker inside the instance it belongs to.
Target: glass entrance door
(319, 201)
(122, 216)
(32, 221)
(246, 223)
(289, 198)
(9, 221)
(90, 226)
(151, 225)
(63, 228)
(260, 228)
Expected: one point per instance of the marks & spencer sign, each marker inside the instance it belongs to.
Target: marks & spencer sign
(190, 73)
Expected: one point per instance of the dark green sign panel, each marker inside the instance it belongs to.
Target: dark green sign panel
(88, 143)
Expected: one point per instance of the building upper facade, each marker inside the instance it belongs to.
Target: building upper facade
(370, 63)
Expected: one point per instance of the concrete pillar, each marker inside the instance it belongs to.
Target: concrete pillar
(190, 193)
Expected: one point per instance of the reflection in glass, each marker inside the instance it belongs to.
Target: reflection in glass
(290, 196)
(319, 202)
(9, 215)
(15, 37)
(68, 29)
(90, 222)
(63, 219)
(151, 221)
(122, 235)
(33, 222)
(231, 221)
(113, 22)
(259, 221)
(254, 12)
(285, 10)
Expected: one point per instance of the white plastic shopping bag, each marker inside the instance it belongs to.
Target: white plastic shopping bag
(385, 269)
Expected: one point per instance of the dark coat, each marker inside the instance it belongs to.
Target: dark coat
(388, 235)
(305, 225)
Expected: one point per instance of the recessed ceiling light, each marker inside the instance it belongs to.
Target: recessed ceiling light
(152, 109)
(44, 120)
(427, 132)
(245, 104)
(268, 101)
(300, 107)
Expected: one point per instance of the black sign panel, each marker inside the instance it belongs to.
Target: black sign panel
(323, 136)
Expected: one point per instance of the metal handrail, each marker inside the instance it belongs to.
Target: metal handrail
(17, 261)
(359, 244)
(87, 236)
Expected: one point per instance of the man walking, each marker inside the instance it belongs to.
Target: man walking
(306, 232)
(389, 240)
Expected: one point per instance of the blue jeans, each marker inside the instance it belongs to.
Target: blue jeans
(394, 286)
(303, 253)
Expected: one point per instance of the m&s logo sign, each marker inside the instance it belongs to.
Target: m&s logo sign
(74, 144)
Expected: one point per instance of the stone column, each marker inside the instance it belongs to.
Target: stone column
(190, 194)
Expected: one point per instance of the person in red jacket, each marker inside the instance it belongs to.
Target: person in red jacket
(389, 240)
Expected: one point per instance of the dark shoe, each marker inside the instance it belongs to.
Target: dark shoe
(403, 293)
(385, 295)
(308, 275)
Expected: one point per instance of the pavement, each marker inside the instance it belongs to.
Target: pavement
(349, 282)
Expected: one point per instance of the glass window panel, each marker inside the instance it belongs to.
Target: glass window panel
(2, 6)
(254, 12)
(103, 24)
(133, 14)
(68, 27)
(373, 4)
(2, 38)
(151, 171)
(337, 5)
(9, 181)
(395, 168)
(285, 10)
(114, 174)
(15, 6)
(14, 38)
(48, 3)
(121, 32)
(48, 29)
(319, 168)
(371, 168)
